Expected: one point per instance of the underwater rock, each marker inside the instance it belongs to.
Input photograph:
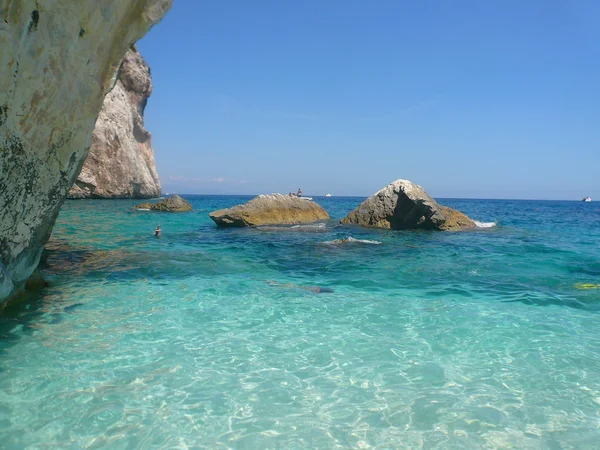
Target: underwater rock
(120, 163)
(273, 209)
(58, 61)
(172, 204)
(31, 287)
(403, 205)
(315, 289)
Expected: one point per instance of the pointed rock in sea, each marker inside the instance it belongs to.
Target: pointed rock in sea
(403, 205)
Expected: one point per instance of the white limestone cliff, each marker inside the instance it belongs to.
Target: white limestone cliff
(120, 163)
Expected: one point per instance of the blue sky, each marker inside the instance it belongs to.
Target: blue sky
(482, 99)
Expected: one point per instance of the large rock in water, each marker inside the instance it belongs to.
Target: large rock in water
(403, 205)
(58, 59)
(172, 204)
(274, 209)
(120, 163)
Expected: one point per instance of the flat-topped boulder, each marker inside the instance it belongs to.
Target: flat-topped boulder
(273, 209)
(172, 204)
(403, 205)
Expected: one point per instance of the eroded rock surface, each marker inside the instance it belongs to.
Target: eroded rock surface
(403, 205)
(172, 204)
(274, 209)
(120, 163)
(57, 62)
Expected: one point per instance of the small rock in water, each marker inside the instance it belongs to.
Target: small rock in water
(171, 204)
(71, 308)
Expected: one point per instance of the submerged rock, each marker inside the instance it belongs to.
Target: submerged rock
(31, 287)
(171, 204)
(315, 289)
(273, 209)
(403, 205)
(57, 62)
(120, 163)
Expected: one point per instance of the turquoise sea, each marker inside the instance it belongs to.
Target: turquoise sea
(209, 338)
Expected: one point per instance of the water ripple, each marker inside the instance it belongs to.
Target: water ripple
(212, 338)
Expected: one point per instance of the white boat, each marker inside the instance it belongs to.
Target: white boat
(587, 199)
(327, 195)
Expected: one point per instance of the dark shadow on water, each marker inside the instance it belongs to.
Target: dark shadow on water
(47, 306)
(290, 256)
(61, 259)
(63, 263)
(592, 306)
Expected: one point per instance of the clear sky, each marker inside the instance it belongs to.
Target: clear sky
(469, 98)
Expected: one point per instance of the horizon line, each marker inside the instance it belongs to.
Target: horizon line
(367, 196)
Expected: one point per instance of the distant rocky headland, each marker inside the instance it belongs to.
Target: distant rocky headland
(120, 163)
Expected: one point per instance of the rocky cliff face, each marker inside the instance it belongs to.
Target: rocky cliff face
(120, 163)
(57, 62)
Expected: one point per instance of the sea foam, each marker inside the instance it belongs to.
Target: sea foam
(485, 224)
(312, 227)
(351, 240)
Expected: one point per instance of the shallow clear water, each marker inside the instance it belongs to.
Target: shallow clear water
(210, 338)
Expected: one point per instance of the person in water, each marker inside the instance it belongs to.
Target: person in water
(157, 232)
(299, 194)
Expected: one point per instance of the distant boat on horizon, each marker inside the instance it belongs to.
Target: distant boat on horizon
(327, 195)
(587, 199)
